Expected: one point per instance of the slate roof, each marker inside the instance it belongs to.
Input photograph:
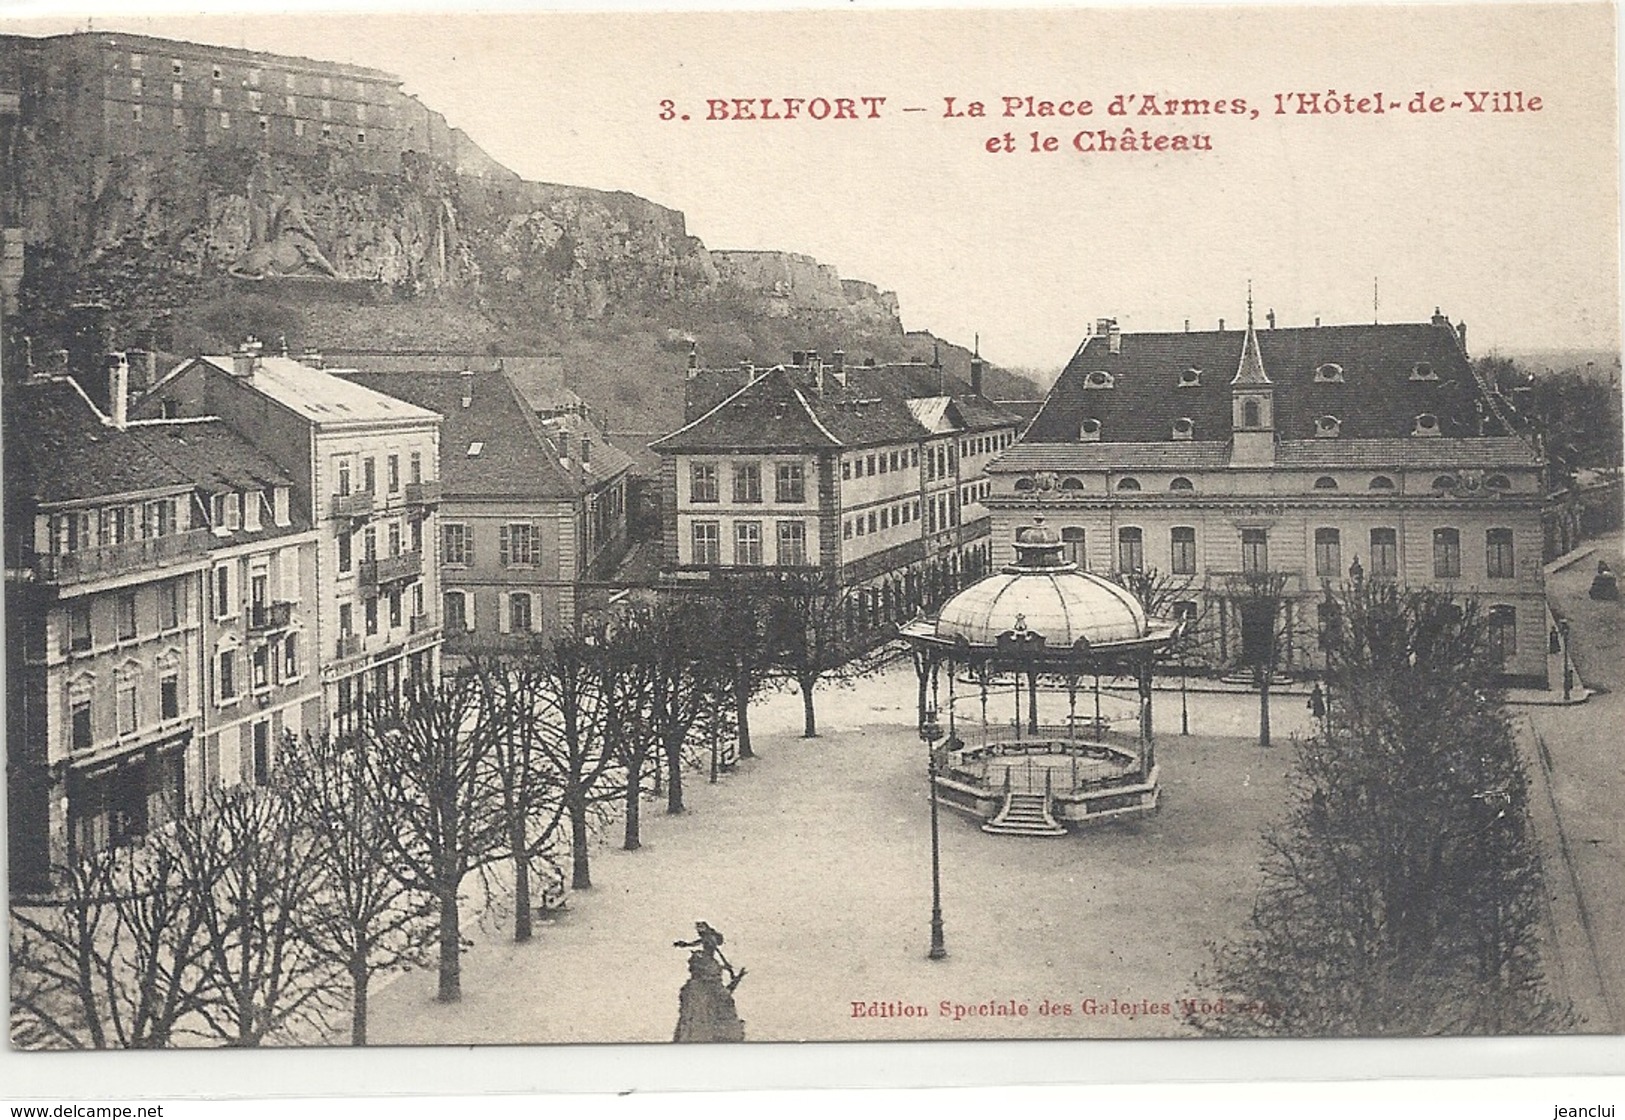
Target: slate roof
(59, 449)
(516, 459)
(1439, 453)
(1025, 457)
(607, 459)
(780, 409)
(1376, 398)
(324, 396)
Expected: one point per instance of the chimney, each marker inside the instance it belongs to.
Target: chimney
(1221, 324)
(1317, 320)
(118, 389)
(976, 370)
(693, 357)
(564, 446)
(816, 364)
(1187, 326)
(750, 370)
(586, 456)
(247, 358)
(798, 357)
(311, 358)
(467, 379)
(1102, 326)
(1269, 317)
(1461, 335)
(1440, 319)
(838, 361)
(1114, 338)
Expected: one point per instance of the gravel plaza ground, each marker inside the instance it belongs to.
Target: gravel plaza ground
(814, 861)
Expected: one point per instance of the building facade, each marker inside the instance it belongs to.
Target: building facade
(869, 474)
(367, 465)
(149, 620)
(1328, 454)
(532, 506)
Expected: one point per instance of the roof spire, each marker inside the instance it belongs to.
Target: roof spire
(1251, 370)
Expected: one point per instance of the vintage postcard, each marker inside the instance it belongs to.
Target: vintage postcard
(610, 527)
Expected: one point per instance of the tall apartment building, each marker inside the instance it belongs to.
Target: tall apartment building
(1327, 453)
(870, 474)
(158, 608)
(367, 465)
(532, 506)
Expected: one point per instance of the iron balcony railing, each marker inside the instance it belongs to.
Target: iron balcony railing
(265, 617)
(425, 493)
(356, 506)
(117, 559)
(349, 645)
(386, 570)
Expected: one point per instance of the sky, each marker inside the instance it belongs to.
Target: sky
(1509, 221)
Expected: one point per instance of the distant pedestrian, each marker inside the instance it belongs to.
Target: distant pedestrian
(1317, 702)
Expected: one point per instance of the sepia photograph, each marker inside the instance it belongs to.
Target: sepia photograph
(811, 526)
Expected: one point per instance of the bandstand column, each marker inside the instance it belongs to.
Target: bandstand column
(1148, 749)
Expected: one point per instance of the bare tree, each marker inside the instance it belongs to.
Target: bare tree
(810, 635)
(1268, 631)
(682, 667)
(572, 715)
(743, 634)
(260, 973)
(626, 679)
(428, 763)
(360, 915)
(59, 970)
(528, 788)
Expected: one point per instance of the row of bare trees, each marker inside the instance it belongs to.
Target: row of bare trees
(269, 908)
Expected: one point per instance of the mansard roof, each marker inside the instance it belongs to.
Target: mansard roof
(1390, 373)
(1505, 452)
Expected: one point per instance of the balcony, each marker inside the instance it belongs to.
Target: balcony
(266, 617)
(387, 571)
(423, 494)
(419, 624)
(119, 559)
(349, 646)
(354, 507)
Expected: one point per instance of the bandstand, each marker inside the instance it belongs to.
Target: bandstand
(1030, 743)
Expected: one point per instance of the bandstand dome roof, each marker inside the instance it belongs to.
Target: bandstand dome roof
(1043, 595)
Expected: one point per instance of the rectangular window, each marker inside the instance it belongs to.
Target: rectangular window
(393, 473)
(369, 475)
(228, 675)
(225, 121)
(454, 544)
(1503, 633)
(369, 544)
(395, 609)
(345, 560)
(394, 538)
(126, 708)
(290, 657)
(872, 522)
(1130, 549)
(169, 697)
(1182, 550)
(1446, 553)
(79, 637)
(260, 667)
(869, 465)
(792, 543)
(883, 467)
(262, 753)
(1328, 553)
(846, 470)
(81, 726)
(222, 592)
(702, 482)
(789, 484)
(135, 87)
(1384, 553)
(1255, 550)
(1498, 554)
(456, 612)
(846, 529)
(519, 544)
(747, 483)
(415, 468)
(1073, 546)
(137, 61)
(344, 475)
(519, 612)
(748, 543)
(126, 616)
(369, 612)
(346, 619)
(707, 542)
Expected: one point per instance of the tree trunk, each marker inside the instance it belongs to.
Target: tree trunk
(742, 711)
(522, 914)
(809, 720)
(1264, 708)
(580, 871)
(674, 776)
(451, 948)
(634, 804)
(360, 978)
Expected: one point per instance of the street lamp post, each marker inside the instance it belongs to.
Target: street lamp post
(1568, 666)
(930, 732)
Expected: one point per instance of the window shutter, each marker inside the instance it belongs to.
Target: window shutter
(502, 548)
(469, 599)
(503, 611)
(468, 544)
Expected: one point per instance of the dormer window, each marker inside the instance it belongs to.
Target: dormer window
(1382, 482)
(1328, 372)
(1325, 482)
(279, 505)
(1497, 482)
(1249, 413)
(1423, 371)
(1445, 482)
(1089, 430)
(1189, 377)
(1097, 379)
(1184, 428)
(1025, 485)
(1427, 424)
(1181, 484)
(1327, 427)
(1071, 483)
(1128, 484)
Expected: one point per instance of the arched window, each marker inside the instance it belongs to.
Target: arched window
(1184, 428)
(1497, 482)
(1089, 430)
(1189, 377)
(1097, 379)
(1427, 424)
(1071, 482)
(1128, 484)
(1445, 482)
(1423, 371)
(1382, 482)
(1024, 485)
(1249, 414)
(1181, 483)
(1325, 482)
(1328, 371)
(1327, 427)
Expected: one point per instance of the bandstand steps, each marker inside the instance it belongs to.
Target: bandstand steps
(1024, 814)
